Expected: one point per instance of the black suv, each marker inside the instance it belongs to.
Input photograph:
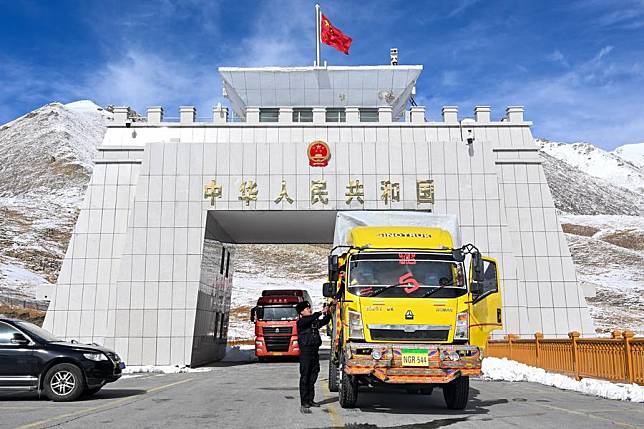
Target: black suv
(31, 358)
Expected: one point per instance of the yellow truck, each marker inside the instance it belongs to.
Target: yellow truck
(411, 310)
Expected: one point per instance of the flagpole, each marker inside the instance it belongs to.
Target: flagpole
(317, 34)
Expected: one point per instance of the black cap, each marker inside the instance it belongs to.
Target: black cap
(300, 306)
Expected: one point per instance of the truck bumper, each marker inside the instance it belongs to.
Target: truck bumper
(262, 349)
(442, 365)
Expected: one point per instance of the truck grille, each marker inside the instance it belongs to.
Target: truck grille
(277, 344)
(401, 335)
(279, 330)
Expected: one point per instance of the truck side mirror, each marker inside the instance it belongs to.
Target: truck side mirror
(328, 290)
(19, 339)
(457, 254)
(252, 314)
(477, 263)
(334, 269)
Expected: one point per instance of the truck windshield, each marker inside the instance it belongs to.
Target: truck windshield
(277, 313)
(403, 275)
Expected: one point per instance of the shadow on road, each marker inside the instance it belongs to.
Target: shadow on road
(324, 356)
(103, 394)
(114, 394)
(20, 396)
(392, 402)
(434, 424)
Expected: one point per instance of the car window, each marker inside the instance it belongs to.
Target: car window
(38, 331)
(6, 333)
(490, 283)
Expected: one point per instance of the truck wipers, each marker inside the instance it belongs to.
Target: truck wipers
(433, 291)
(381, 290)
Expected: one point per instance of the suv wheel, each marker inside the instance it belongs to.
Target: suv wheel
(64, 382)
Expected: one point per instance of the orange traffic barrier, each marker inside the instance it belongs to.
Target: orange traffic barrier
(619, 358)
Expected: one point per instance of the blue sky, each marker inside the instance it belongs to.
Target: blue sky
(576, 66)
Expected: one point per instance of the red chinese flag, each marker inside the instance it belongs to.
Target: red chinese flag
(332, 36)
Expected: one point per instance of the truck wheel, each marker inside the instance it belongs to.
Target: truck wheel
(64, 382)
(333, 375)
(456, 393)
(348, 391)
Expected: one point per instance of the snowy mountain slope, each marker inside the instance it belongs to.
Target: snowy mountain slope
(45, 165)
(597, 163)
(575, 192)
(634, 153)
(607, 251)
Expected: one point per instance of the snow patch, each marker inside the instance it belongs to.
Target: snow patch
(598, 163)
(87, 107)
(16, 281)
(509, 370)
(152, 369)
(633, 153)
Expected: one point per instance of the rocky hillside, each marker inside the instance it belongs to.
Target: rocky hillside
(608, 254)
(576, 192)
(45, 165)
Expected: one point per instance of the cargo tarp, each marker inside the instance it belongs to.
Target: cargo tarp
(347, 220)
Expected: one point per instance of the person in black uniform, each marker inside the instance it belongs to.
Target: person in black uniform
(308, 338)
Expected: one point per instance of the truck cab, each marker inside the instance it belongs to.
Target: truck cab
(411, 310)
(275, 321)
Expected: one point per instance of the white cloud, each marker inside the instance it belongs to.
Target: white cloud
(461, 7)
(278, 38)
(141, 76)
(628, 15)
(595, 101)
(140, 79)
(557, 57)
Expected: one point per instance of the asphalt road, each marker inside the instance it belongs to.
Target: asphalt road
(266, 396)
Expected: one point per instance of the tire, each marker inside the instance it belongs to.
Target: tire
(456, 393)
(92, 391)
(64, 382)
(348, 391)
(333, 375)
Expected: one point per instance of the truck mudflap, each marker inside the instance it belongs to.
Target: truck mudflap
(412, 363)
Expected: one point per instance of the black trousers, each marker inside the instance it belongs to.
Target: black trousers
(309, 370)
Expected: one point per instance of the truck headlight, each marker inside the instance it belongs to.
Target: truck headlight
(356, 331)
(462, 326)
(96, 357)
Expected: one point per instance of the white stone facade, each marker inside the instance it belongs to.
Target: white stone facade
(138, 274)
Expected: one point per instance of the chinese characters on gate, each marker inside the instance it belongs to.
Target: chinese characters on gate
(318, 193)
(319, 155)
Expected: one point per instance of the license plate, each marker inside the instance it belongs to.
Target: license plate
(414, 357)
(122, 365)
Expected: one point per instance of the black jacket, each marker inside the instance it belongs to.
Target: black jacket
(308, 331)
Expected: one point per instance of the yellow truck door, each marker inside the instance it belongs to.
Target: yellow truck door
(485, 304)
